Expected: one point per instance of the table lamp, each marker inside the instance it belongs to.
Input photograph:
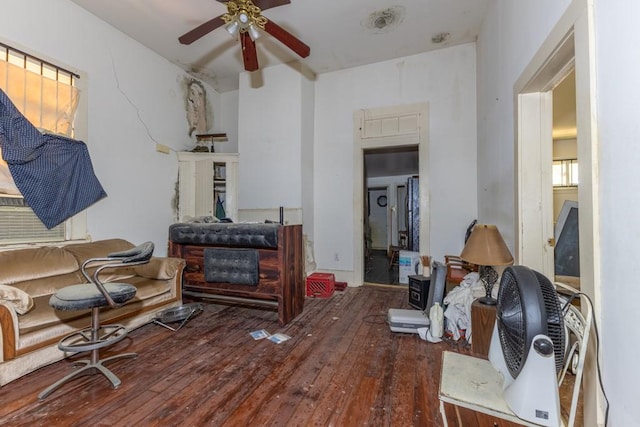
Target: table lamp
(487, 249)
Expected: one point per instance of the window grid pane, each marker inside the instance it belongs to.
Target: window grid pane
(46, 95)
(557, 173)
(20, 224)
(565, 173)
(574, 173)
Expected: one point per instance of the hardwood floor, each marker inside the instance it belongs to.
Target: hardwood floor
(341, 367)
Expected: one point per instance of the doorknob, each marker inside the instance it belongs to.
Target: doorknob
(551, 242)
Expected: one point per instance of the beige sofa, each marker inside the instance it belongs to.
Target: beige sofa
(30, 328)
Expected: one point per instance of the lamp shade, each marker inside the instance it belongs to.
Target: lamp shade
(486, 247)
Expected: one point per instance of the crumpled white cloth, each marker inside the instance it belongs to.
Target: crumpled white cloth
(458, 302)
(425, 334)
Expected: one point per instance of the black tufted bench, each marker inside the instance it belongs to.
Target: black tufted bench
(255, 264)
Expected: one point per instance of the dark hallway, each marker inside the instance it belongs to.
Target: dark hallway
(378, 271)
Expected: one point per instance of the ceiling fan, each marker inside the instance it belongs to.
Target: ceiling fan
(244, 18)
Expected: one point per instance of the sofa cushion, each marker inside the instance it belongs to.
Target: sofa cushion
(100, 249)
(17, 298)
(42, 315)
(35, 263)
(48, 285)
(97, 249)
(148, 288)
(158, 268)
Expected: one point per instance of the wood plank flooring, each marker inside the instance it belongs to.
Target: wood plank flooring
(341, 367)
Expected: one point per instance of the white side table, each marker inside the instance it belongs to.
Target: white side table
(473, 383)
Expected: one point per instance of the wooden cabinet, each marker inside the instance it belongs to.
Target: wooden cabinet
(279, 269)
(207, 182)
(483, 319)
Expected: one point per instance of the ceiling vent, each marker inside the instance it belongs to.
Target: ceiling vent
(385, 20)
(440, 38)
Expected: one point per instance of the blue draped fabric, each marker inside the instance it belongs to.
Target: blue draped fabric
(53, 173)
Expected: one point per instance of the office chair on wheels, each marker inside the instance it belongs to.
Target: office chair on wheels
(94, 295)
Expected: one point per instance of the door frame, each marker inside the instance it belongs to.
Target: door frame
(361, 143)
(570, 45)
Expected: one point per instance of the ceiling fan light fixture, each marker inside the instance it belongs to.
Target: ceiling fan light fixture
(243, 17)
(253, 32)
(232, 28)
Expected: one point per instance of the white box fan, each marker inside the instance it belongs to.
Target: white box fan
(528, 345)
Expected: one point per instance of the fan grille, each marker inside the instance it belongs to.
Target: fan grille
(511, 325)
(555, 319)
(528, 305)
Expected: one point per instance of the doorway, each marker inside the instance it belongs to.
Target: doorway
(386, 172)
(388, 128)
(568, 47)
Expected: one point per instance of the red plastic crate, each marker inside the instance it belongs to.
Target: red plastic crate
(321, 285)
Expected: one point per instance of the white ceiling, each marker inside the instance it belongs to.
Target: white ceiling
(340, 33)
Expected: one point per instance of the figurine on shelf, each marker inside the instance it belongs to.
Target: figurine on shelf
(196, 107)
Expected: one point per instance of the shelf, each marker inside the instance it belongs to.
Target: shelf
(203, 178)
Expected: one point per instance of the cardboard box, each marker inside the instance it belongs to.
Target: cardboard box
(408, 265)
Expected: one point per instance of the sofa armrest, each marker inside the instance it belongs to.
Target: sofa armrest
(160, 268)
(8, 331)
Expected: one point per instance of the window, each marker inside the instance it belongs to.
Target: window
(565, 173)
(47, 96)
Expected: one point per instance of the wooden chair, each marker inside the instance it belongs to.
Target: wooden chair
(457, 268)
(393, 254)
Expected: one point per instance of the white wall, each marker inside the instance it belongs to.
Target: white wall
(270, 133)
(229, 122)
(618, 107)
(307, 160)
(445, 79)
(135, 99)
(510, 36)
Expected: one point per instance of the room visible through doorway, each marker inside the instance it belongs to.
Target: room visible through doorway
(565, 179)
(386, 173)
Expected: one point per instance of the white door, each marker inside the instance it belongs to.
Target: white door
(535, 198)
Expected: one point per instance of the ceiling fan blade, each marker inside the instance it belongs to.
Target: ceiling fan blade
(265, 4)
(268, 4)
(201, 30)
(287, 39)
(249, 54)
